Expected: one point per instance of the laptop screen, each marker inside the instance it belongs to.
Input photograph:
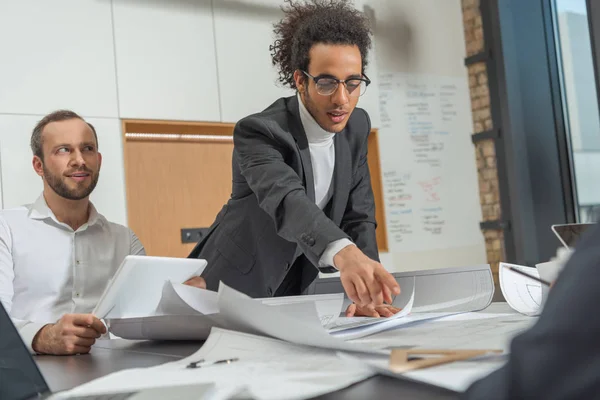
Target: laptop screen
(20, 377)
(569, 234)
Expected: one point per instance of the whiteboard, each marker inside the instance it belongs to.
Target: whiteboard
(428, 163)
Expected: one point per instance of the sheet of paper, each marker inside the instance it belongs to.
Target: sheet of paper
(550, 270)
(432, 293)
(476, 331)
(456, 289)
(457, 376)
(300, 326)
(355, 327)
(387, 325)
(521, 293)
(493, 328)
(267, 369)
(460, 289)
(165, 327)
(171, 304)
(180, 299)
(135, 289)
(182, 310)
(329, 306)
(183, 313)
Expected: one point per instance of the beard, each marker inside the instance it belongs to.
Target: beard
(81, 191)
(313, 110)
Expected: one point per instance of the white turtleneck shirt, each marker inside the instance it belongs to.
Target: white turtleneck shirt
(322, 157)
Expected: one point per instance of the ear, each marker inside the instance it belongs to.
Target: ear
(300, 80)
(38, 166)
(99, 160)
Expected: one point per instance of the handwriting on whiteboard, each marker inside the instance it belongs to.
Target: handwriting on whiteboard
(431, 188)
(426, 148)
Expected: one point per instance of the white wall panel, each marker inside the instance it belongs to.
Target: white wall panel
(370, 100)
(57, 54)
(21, 185)
(166, 66)
(244, 32)
(109, 195)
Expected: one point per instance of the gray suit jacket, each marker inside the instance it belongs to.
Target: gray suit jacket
(559, 357)
(271, 220)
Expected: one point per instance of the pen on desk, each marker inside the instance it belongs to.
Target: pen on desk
(195, 363)
(518, 271)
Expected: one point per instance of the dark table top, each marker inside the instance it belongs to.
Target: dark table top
(108, 356)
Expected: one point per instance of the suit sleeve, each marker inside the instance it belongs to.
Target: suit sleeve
(359, 217)
(280, 191)
(135, 245)
(558, 357)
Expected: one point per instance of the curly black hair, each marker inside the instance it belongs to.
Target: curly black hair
(308, 22)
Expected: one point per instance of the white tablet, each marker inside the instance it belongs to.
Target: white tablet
(136, 288)
(568, 234)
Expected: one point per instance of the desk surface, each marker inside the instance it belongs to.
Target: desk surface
(108, 356)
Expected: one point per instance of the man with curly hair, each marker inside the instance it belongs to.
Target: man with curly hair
(302, 200)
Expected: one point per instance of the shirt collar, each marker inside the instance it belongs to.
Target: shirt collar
(314, 132)
(40, 210)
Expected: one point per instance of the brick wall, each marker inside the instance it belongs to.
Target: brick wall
(485, 152)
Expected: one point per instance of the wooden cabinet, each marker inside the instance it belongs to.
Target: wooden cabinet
(178, 176)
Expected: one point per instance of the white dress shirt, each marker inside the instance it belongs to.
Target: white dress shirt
(48, 270)
(322, 157)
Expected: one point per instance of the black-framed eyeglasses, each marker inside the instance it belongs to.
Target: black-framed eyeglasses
(327, 85)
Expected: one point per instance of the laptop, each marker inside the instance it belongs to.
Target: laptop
(569, 234)
(20, 378)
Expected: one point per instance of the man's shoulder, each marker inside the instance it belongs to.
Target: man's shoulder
(359, 121)
(276, 113)
(15, 215)
(114, 227)
(123, 236)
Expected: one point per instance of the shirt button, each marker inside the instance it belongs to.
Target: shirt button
(76, 294)
(77, 262)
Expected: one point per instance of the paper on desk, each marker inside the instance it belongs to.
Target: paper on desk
(433, 293)
(176, 298)
(524, 295)
(268, 369)
(188, 313)
(483, 330)
(183, 313)
(356, 327)
(460, 289)
(549, 271)
(465, 331)
(180, 299)
(457, 376)
(165, 327)
(328, 306)
(135, 289)
(299, 323)
(387, 325)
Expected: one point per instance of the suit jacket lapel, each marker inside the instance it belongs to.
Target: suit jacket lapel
(342, 176)
(297, 131)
